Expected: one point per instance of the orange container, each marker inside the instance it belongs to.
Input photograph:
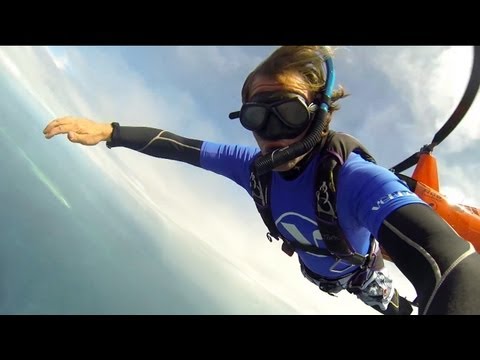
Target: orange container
(465, 220)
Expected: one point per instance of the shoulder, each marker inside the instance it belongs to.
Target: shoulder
(359, 175)
(342, 145)
(357, 165)
(231, 161)
(336, 137)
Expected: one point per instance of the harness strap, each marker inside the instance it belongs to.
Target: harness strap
(334, 151)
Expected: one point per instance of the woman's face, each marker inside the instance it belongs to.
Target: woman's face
(263, 84)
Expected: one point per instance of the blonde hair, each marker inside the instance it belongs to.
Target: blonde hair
(287, 62)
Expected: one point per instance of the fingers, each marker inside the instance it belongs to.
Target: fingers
(59, 121)
(60, 126)
(79, 130)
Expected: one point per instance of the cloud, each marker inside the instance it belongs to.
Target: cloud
(216, 60)
(431, 82)
(402, 96)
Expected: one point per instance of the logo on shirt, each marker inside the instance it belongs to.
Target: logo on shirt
(305, 231)
(390, 197)
(300, 228)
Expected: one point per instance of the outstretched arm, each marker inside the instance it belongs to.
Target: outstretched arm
(443, 267)
(150, 141)
(231, 161)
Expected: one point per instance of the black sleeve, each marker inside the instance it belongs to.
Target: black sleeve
(157, 142)
(443, 267)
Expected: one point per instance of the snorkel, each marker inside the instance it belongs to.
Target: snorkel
(268, 162)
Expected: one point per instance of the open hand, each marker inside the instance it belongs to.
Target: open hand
(79, 130)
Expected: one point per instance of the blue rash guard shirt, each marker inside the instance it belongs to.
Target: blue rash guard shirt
(366, 194)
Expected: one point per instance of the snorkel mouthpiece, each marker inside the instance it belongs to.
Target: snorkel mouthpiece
(268, 162)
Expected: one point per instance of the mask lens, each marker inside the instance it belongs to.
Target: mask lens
(277, 115)
(253, 117)
(293, 113)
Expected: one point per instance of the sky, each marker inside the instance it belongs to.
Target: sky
(142, 224)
